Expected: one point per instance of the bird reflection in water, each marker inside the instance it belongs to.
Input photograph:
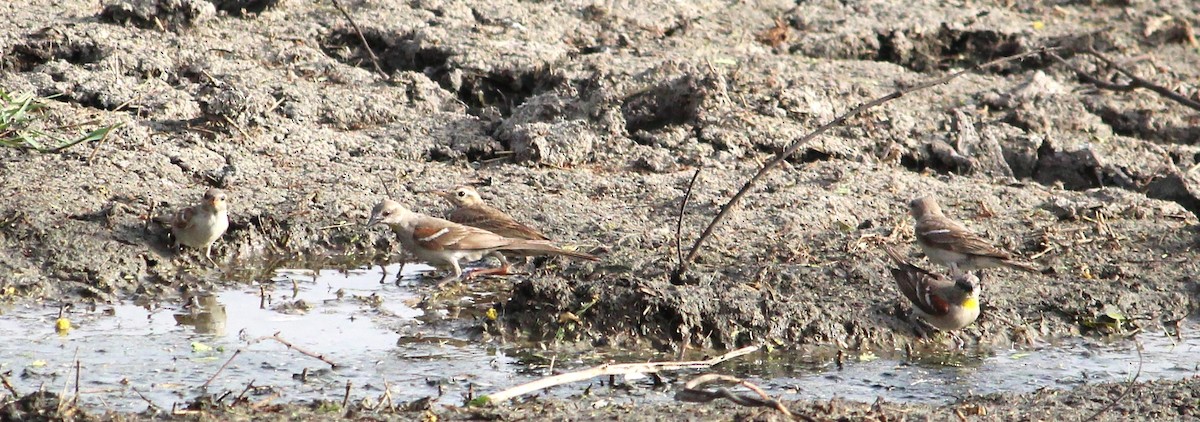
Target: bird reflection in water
(203, 313)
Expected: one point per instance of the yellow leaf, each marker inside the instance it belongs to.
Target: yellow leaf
(491, 314)
(1039, 25)
(200, 347)
(62, 326)
(37, 363)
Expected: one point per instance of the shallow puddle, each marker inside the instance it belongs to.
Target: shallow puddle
(131, 356)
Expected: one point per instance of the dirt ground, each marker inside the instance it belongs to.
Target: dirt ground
(588, 119)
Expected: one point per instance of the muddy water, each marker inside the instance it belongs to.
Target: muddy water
(382, 337)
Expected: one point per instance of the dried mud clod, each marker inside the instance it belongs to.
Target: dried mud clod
(592, 119)
(168, 15)
(241, 7)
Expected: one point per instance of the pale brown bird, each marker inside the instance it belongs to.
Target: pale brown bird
(201, 225)
(948, 242)
(444, 243)
(470, 210)
(946, 304)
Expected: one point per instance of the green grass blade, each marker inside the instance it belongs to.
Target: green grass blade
(94, 135)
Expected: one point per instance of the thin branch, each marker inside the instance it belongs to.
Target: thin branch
(1137, 82)
(96, 147)
(75, 400)
(387, 190)
(222, 368)
(143, 396)
(679, 223)
(610, 370)
(1128, 386)
(783, 155)
(361, 37)
(693, 393)
(8, 385)
(1087, 77)
(289, 345)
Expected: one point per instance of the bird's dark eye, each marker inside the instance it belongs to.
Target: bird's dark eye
(385, 213)
(462, 193)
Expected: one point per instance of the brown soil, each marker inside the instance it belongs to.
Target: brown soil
(588, 121)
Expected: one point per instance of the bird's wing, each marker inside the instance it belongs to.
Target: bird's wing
(949, 235)
(495, 221)
(917, 285)
(438, 234)
(184, 219)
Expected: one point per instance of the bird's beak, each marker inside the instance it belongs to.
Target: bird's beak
(371, 222)
(442, 193)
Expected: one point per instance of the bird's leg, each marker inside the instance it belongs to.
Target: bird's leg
(399, 272)
(208, 255)
(920, 327)
(454, 275)
(958, 341)
(504, 268)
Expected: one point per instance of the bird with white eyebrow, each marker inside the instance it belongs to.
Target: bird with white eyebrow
(443, 243)
(948, 242)
(470, 210)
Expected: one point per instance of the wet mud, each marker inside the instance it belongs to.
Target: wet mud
(588, 121)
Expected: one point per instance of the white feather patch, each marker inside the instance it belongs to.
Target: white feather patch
(933, 232)
(435, 235)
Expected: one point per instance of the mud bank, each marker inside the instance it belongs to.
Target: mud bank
(588, 121)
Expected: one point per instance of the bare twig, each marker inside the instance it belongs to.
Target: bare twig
(361, 37)
(346, 398)
(242, 396)
(682, 208)
(693, 393)
(75, 400)
(1135, 82)
(611, 370)
(1142, 83)
(96, 147)
(791, 149)
(143, 396)
(222, 368)
(289, 345)
(8, 385)
(387, 397)
(386, 189)
(1128, 386)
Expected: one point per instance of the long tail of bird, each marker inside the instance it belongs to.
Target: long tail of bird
(1023, 266)
(547, 248)
(899, 259)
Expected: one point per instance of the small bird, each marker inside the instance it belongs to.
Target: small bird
(201, 225)
(470, 210)
(949, 243)
(944, 303)
(444, 243)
